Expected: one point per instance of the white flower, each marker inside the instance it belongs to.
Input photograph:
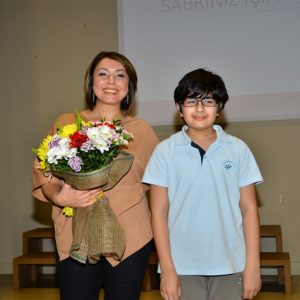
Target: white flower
(102, 145)
(100, 137)
(87, 146)
(106, 132)
(60, 151)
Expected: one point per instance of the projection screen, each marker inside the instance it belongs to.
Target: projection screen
(254, 45)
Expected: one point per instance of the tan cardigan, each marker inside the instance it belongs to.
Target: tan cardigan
(127, 198)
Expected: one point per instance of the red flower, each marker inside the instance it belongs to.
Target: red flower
(108, 124)
(77, 139)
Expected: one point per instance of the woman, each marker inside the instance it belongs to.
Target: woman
(110, 86)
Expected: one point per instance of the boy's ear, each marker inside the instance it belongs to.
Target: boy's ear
(179, 109)
(219, 108)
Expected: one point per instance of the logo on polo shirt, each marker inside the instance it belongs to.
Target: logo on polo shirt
(228, 164)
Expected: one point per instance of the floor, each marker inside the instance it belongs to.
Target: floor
(7, 293)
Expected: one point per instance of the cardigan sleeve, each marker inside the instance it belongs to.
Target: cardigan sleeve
(38, 177)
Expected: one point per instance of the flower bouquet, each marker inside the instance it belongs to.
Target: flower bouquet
(87, 155)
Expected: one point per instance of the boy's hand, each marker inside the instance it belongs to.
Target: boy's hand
(170, 286)
(251, 283)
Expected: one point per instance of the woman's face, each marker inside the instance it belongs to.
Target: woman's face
(110, 81)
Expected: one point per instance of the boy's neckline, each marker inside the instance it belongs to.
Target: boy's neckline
(203, 141)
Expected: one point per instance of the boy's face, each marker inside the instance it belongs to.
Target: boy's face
(200, 117)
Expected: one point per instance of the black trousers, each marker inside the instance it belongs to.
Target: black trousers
(83, 281)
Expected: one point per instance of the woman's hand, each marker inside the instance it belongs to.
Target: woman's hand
(68, 196)
(170, 286)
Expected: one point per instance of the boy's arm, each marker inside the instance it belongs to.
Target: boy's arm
(251, 274)
(159, 203)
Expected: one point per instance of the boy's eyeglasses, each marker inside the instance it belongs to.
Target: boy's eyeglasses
(190, 102)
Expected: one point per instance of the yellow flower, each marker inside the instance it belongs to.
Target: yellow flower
(67, 130)
(42, 152)
(88, 124)
(99, 195)
(68, 211)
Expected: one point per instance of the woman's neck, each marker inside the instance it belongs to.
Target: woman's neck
(104, 112)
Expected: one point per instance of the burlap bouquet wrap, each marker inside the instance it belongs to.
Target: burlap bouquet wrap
(96, 230)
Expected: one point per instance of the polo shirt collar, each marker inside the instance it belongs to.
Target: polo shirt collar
(182, 139)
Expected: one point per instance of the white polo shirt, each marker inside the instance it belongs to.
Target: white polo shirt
(205, 221)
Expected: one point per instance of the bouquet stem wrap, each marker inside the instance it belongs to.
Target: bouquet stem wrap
(96, 230)
(96, 233)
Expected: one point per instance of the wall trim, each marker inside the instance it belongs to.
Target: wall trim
(284, 106)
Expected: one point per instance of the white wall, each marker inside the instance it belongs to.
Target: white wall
(254, 45)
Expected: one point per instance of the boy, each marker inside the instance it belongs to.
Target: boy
(204, 211)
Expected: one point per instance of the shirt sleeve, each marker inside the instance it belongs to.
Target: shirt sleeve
(148, 140)
(249, 172)
(157, 168)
